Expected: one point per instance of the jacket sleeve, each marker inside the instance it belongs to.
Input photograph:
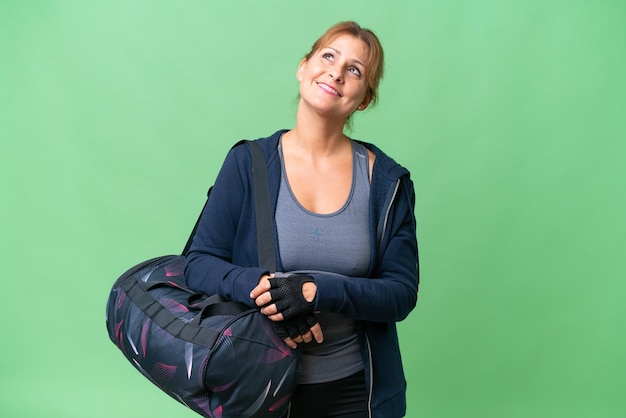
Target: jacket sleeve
(391, 293)
(212, 265)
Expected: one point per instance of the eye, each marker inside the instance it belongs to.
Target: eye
(327, 55)
(355, 71)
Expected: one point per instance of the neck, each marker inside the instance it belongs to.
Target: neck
(319, 134)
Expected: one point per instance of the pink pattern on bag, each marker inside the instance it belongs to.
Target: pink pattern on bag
(144, 336)
(271, 356)
(121, 296)
(175, 269)
(221, 388)
(173, 306)
(163, 373)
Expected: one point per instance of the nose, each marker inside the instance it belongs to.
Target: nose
(335, 74)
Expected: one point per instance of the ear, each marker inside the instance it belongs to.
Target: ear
(300, 69)
(364, 104)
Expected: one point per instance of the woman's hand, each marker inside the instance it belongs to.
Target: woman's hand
(299, 330)
(290, 306)
(284, 298)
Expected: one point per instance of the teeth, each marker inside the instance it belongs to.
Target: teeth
(328, 88)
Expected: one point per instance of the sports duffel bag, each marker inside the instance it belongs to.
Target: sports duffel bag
(221, 359)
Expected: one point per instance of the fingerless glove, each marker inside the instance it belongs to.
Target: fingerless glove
(287, 295)
(294, 327)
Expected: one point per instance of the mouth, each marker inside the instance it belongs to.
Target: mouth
(329, 89)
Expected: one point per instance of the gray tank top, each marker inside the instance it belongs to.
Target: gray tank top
(338, 242)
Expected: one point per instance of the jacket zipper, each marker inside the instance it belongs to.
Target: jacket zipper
(370, 389)
(393, 197)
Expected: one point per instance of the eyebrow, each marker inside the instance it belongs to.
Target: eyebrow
(339, 52)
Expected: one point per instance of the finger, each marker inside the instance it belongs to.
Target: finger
(303, 328)
(263, 299)
(310, 320)
(280, 305)
(292, 332)
(275, 282)
(262, 287)
(317, 333)
(269, 310)
(307, 337)
(276, 317)
(274, 294)
(299, 339)
(291, 343)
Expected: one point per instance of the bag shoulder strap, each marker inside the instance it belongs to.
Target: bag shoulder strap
(262, 206)
(263, 209)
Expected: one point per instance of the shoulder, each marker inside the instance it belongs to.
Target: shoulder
(269, 145)
(384, 164)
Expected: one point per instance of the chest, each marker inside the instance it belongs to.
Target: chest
(320, 189)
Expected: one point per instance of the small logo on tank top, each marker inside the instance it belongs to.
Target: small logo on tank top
(317, 236)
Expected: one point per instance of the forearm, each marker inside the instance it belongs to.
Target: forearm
(367, 299)
(212, 275)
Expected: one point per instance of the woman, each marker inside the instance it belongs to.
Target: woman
(343, 220)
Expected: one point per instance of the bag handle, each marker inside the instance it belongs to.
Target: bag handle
(262, 206)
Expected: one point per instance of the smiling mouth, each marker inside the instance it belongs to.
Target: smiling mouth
(329, 89)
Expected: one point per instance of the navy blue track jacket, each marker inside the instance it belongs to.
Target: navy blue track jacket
(223, 258)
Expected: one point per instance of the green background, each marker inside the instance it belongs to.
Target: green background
(115, 117)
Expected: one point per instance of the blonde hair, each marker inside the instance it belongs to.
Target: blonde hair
(375, 62)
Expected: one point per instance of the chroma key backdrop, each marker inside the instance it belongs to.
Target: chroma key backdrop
(116, 115)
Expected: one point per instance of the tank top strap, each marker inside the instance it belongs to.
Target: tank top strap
(361, 165)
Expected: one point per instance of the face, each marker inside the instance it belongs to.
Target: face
(333, 79)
